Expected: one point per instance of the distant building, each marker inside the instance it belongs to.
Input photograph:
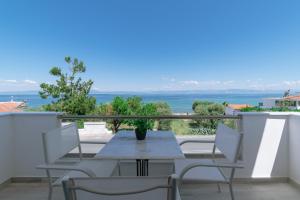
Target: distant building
(233, 109)
(12, 106)
(292, 102)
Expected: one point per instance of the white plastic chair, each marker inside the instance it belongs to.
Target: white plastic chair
(56, 144)
(227, 141)
(121, 188)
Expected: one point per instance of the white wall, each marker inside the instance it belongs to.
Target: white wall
(265, 145)
(21, 143)
(28, 141)
(294, 148)
(6, 147)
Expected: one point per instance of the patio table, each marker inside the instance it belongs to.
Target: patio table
(158, 145)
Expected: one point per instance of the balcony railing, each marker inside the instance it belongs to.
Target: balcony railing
(180, 124)
(155, 117)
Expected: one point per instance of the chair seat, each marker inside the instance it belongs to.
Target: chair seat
(101, 168)
(199, 174)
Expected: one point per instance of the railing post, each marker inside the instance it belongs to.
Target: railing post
(239, 125)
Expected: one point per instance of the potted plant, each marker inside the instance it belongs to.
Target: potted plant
(141, 129)
(142, 125)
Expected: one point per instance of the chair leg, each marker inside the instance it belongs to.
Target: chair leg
(50, 192)
(50, 185)
(219, 187)
(231, 191)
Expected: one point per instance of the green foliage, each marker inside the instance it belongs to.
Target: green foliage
(118, 106)
(148, 109)
(80, 123)
(258, 109)
(70, 92)
(202, 103)
(180, 127)
(287, 93)
(134, 104)
(207, 109)
(34, 109)
(163, 108)
(130, 106)
(231, 123)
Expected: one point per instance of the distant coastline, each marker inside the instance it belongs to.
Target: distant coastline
(179, 102)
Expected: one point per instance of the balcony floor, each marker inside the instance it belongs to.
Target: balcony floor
(249, 191)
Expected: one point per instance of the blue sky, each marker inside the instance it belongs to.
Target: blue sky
(153, 45)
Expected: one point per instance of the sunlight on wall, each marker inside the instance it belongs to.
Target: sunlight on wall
(268, 148)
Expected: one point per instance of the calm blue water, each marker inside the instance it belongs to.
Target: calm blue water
(178, 102)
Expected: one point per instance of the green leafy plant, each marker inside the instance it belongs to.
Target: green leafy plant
(142, 125)
(70, 93)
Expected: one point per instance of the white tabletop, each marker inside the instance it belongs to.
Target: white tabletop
(157, 145)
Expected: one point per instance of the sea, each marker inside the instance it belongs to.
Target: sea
(179, 103)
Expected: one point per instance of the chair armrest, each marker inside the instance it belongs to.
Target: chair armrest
(93, 142)
(208, 164)
(196, 141)
(86, 171)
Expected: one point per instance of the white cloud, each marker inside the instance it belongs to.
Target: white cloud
(189, 82)
(30, 82)
(8, 81)
(18, 85)
(295, 83)
(167, 78)
(228, 82)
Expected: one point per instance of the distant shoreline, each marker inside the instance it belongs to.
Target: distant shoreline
(179, 103)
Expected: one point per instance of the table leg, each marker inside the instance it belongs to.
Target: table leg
(142, 167)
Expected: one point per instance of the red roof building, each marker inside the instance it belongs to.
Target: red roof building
(12, 106)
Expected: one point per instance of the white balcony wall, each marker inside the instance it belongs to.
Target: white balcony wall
(6, 147)
(28, 141)
(265, 146)
(271, 144)
(21, 143)
(294, 148)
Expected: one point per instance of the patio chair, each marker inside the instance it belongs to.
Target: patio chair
(121, 188)
(59, 142)
(228, 142)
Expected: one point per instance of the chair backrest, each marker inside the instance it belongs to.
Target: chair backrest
(119, 188)
(228, 141)
(59, 142)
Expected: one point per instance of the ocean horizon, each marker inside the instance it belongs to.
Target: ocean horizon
(179, 102)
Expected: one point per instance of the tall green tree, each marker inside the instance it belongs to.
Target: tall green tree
(69, 93)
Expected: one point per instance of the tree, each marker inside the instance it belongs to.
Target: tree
(118, 106)
(134, 104)
(287, 93)
(208, 108)
(225, 103)
(163, 108)
(130, 106)
(70, 93)
(202, 103)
